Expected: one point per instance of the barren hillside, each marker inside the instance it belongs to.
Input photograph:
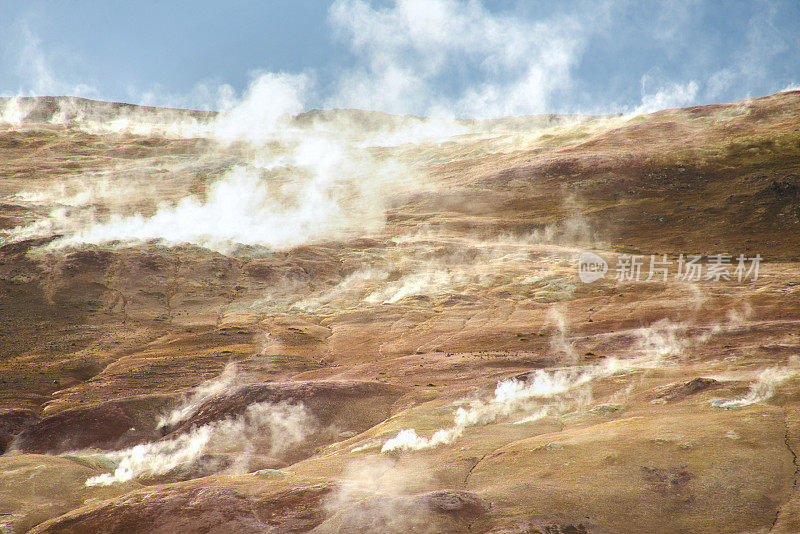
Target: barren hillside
(359, 322)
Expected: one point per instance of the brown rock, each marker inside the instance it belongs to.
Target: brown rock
(104, 426)
(12, 422)
(681, 391)
(215, 509)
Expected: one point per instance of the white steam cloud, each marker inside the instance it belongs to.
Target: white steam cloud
(408, 48)
(662, 338)
(510, 396)
(418, 283)
(203, 392)
(257, 117)
(763, 388)
(671, 95)
(284, 424)
(376, 495)
(538, 395)
(300, 184)
(263, 427)
(35, 66)
(315, 182)
(665, 338)
(239, 209)
(558, 340)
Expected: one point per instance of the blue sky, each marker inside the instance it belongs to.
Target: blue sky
(450, 57)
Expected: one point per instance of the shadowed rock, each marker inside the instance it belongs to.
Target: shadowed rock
(295, 510)
(216, 509)
(12, 422)
(537, 528)
(681, 391)
(350, 404)
(436, 511)
(457, 503)
(219, 509)
(107, 426)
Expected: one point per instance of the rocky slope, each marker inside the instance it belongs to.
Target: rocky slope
(416, 353)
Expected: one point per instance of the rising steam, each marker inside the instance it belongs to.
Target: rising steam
(510, 396)
(558, 340)
(203, 392)
(763, 388)
(538, 396)
(285, 424)
(267, 427)
(295, 182)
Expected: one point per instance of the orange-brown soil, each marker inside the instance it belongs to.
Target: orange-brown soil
(471, 281)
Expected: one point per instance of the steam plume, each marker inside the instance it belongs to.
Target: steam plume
(201, 393)
(510, 396)
(762, 389)
(285, 424)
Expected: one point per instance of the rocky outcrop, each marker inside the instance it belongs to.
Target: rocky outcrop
(107, 426)
(349, 404)
(217, 509)
(12, 422)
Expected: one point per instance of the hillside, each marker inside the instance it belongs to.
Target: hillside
(359, 322)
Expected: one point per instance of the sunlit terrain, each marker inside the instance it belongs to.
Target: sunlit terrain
(350, 321)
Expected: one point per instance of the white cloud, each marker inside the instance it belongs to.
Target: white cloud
(670, 95)
(35, 66)
(672, 17)
(410, 51)
(750, 66)
(270, 97)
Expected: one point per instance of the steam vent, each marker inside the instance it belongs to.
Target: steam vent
(362, 302)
